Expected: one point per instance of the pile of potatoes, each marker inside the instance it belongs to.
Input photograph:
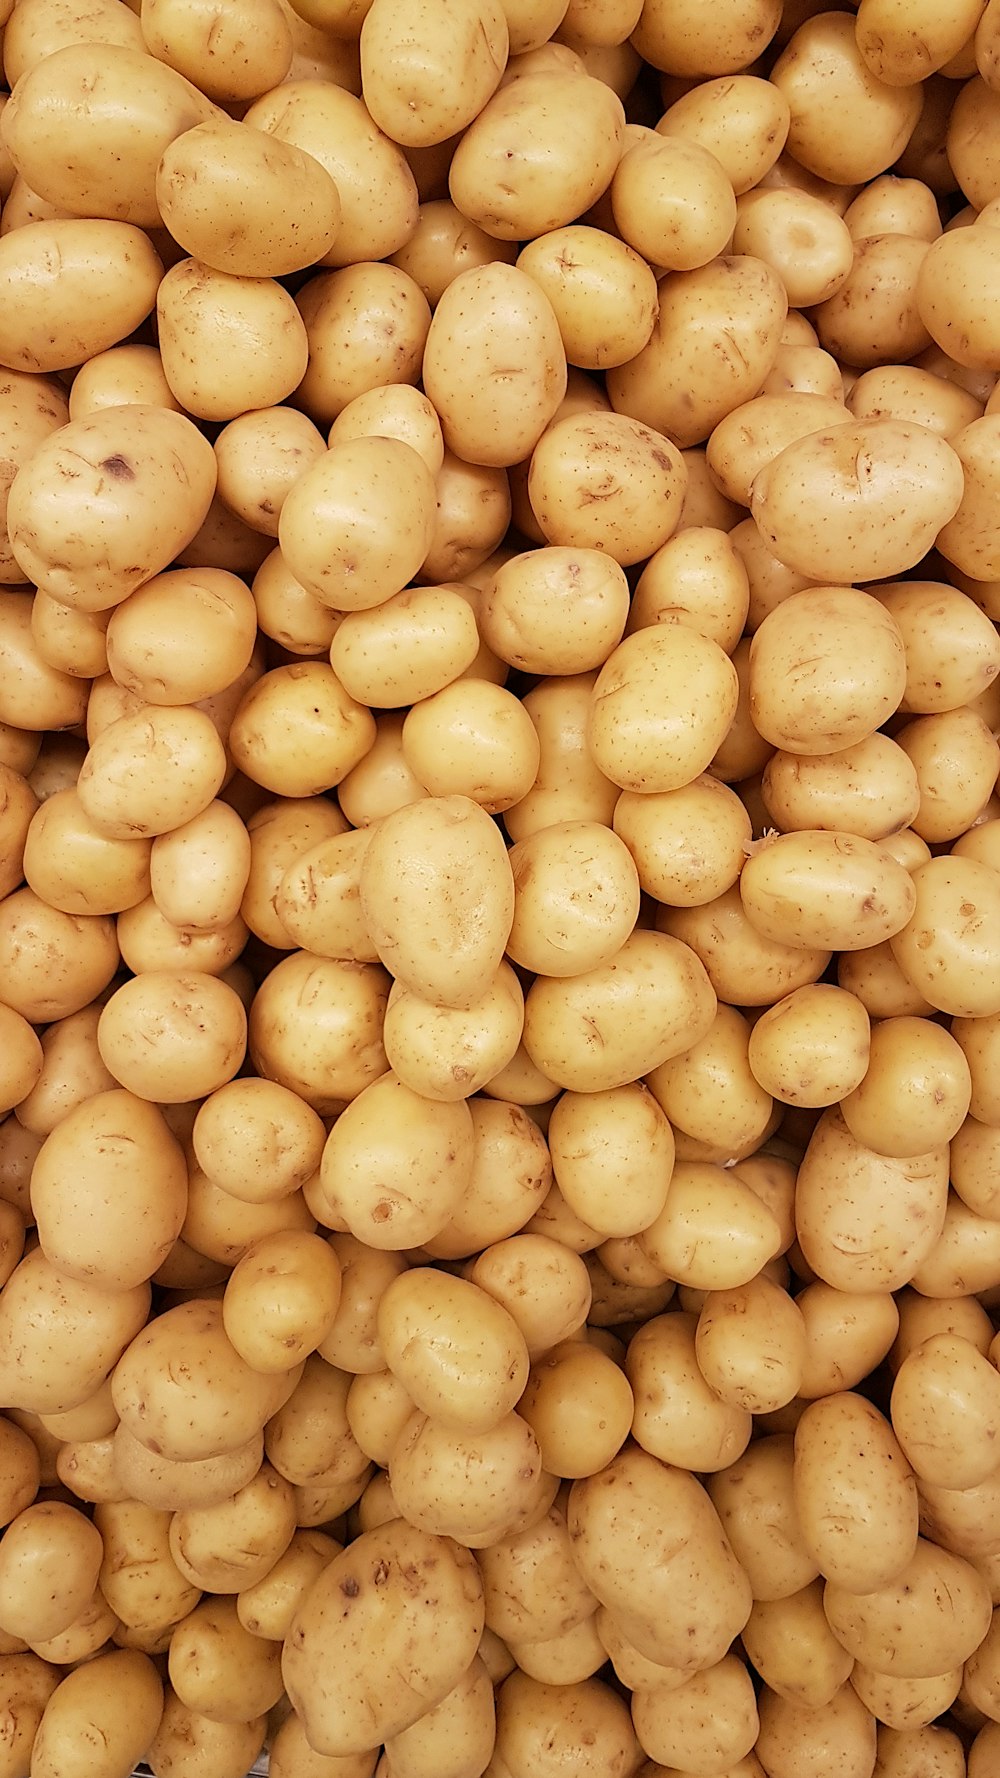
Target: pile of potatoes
(500, 889)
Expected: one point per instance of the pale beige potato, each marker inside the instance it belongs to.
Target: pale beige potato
(73, 642)
(378, 193)
(715, 339)
(714, 1232)
(357, 525)
(309, 1440)
(689, 845)
(84, 1637)
(449, 1053)
(53, 964)
(576, 898)
(453, 1738)
(444, 243)
(812, 1047)
(906, 392)
(807, 370)
(247, 329)
(749, 437)
(297, 731)
(91, 535)
(533, 1589)
(101, 1717)
(396, 1164)
(188, 1744)
(873, 316)
(794, 1650)
(742, 966)
(682, 40)
(755, 1501)
(875, 978)
(204, 1401)
(173, 1035)
(407, 648)
(232, 57)
(823, 76)
(227, 1547)
(635, 1670)
(21, 1470)
(151, 772)
(855, 1493)
(905, 1703)
(868, 789)
(947, 949)
(696, 578)
(955, 295)
(921, 1318)
(494, 364)
(222, 1228)
(672, 201)
(449, 947)
(866, 1221)
(712, 1715)
(32, 407)
(742, 120)
(678, 1416)
(148, 941)
(219, 1669)
(815, 686)
(267, 1607)
(456, 1349)
(288, 612)
(538, 154)
(569, 786)
(891, 205)
(427, 83)
(602, 291)
(973, 1169)
(289, 1753)
(841, 1734)
(475, 740)
(931, 1617)
(652, 1000)
(260, 456)
(544, 1286)
(542, 1727)
(281, 1299)
(378, 1407)
(41, 28)
(555, 610)
(511, 1169)
(829, 504)
(750, 1344)
(139, 1577)
(59, 1337)
(944, 1406)
(952, 648)
(199, 871)
(182, 636)
(244, 202)
(366, 326)
(318, 898)
(613, 1156)
(903, 45)
(800, 237)
(474, 1486)
(710, 1093)
(743, 752)
(606, 482)
(382, 782)
(23, 1058)
(316, 1028)
(119, 117)
(661, 705)
(352, 1343)
(683, 1608)
(830, 890)
(915, 1092)
(50, 1558)
(109, 1190)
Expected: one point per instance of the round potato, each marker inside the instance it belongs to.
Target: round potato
(458, 1351)
(101, 1718)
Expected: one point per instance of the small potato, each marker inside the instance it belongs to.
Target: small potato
(381, 782)
(952, 649)
(662, 704)
(695, 1598)
(690, 844)
(249, 51)
(753, 434)
(201, 1399)
(393, 410)
(218, 1669)
(920, 1070)
(225, 192)
(649, 1002)
(544, 1287)
(187, 1743)
(489, 414)
(182, 636)
(288, 612)
(678, 1416)
(426, 85)
(472, 739)
(744, 967)
(316, 1028)
(109, 1189)
(713, 343)
(257, 1140)
(905, 1703)
(123, 375)
(173, 1035)
(150, 772)
(319, 898)
(973, 1166)
(366, 325)
(23, 1058)
(408, 1596)
(940, 1610)
(956, 758)
(77, 287)
(943, 1384)
(710, 1093)
(601, 290)
(539, 153)
(281, 1299)
(712, 1715)
(865, 1221)
(955, 295)
(827, 504)
(851, 1471)
(868, 789)
(672, 201)
(453, 1738)
(407, 648)
(267, 1607)
(873, 317)
(946, 949)
(613, 1156)
(468, 895)
(228, 1547)
(90, 537)
(743, 120)
(80, 953)
(309, 1441)
(139, 1578)
(696, 578)
(100, 1719)
(460, 1353)
(444, 1053)
(298, 732)
(569, 786)
(357, 525)
(199, 871)
(606, 482)
(812, 1047)
(542, 1728)
(813, 689)
(800, 237)
(511, 1174)
(20, 1471)
(756, 1504)
(841, 1734)
(750, 1344)
(378, 1407)
(576, 898)
(50, 1558)
(250, 326)
(59, 1337)
(532, 1587)
(714, 1233)
(826, 889)
(396, 1164)
(260, 455)
(780, 1632)
(821, 74)
(474, 1486)
(555, 610)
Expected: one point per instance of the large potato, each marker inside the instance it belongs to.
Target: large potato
(931, 1617)
(855, 1493)
(60, 1337)
(427, 73)
(404, 1611)
(866, 1221)
(74, 288)
(100, 1719)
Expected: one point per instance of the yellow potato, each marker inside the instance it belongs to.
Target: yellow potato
(793, 1735)
(602, 292)
(366, 325)
(447, 1053)
(710, 1716)
(955, 295)
(428, 82)
(218, 1669)
(750, 1344)
(678, 1416)
(946, 950)
(714, 1232)
(308, 1441)
(396, 1164)
(662, 704)
(855, 1493)
(606, 482)
(816, 888)
(779, 1633)
(316, 1028)
(542, 1726)
(356, 526)
(187, 1742)
(940, 1385)
(812, 1047)
(59, 1337)
(415, 1606)
(139, 1578)
(938, 1606)
(744, 967)
(474, 1486)
(742, 120)
(454, 1737)
(813, 687)
(711, 1094)
(822, 74)
(866, 1221)
(474, 739)
(50, 1558)
(458, 1351)
(101, 1717)
(207, 320)
(511, 1171)
(755, 1501)
(801, 238)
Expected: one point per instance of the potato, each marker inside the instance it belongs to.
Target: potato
(91, 536)
(139, 1578)
(444, 1053)
(208, 1403)
(696, 1598)
(81, 286)
(109, 1189)
(939, 1608)
(826, 890)
(267, 1607)
(190, 1745)
(490, 414)
(712, 1715)
(869, 788)
(253, 322)
(824, 503)
(945, 949)
(951, 647)
(168, 1485)
(911, 1061)
(20, 1470)
(602, 292)
(545, 1288)
(409, 1597)
(672, 201)
(100, 1719)
(713, 343)
(541, 1728)
(118, 125)
(233, 1545)
(855, 1494)
(511, 1174)
(801, 238)
(477, 1487)
(812, 688)
(50, 1558)
(939, 1382)
(426, 84)
(678, 1416)
(840, 1735)
(569, 786)
(778, 1634)
(755, 1501)
(455, 1737)
(357, 525)
(218, 1669)
(281, 1299)
(750, 1344)
(812, 1047)
(59, 1337)
(714, 1232)
(458, 1351)
(606, 482)
(613, 1156)
(857, 1212)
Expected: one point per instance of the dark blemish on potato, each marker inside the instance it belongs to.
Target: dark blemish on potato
(119, 468)
(350, 1587)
